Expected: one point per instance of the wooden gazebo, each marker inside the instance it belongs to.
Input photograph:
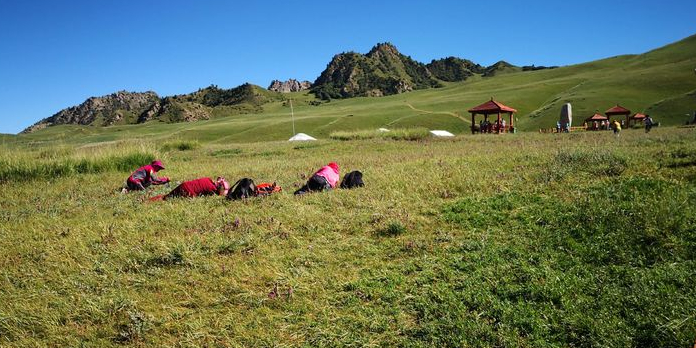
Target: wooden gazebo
(618, 110)
(493, 107)
(595, 118)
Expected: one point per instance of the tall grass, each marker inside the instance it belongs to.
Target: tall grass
(18, 169)
(480, 241)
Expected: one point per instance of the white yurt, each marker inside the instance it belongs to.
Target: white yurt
(301, 137)
(441, 133)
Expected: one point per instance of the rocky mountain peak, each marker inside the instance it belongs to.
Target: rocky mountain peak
(288, 86)
(383, 48)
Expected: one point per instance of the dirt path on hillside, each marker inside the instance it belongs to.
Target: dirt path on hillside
(439, 112)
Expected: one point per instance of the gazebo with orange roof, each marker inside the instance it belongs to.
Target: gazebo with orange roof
(638, 117)
(618, 110)
(492, 107)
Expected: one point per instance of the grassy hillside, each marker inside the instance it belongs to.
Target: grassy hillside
(530, 240)
(660, 82)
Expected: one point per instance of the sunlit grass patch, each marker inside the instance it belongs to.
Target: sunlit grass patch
(394, 134)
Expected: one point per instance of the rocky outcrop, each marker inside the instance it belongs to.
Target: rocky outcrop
(288, 86)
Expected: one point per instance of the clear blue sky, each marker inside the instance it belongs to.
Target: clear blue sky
(56, 54)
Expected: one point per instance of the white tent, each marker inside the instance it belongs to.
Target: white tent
(301, 137)
(441, 133)
(383, 130)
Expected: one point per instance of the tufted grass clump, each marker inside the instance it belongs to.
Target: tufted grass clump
(181, 145)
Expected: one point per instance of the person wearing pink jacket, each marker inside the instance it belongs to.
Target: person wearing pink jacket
(324, 179)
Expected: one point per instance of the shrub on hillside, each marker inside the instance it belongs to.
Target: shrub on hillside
(182, 145)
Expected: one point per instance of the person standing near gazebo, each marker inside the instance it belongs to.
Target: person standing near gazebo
(617, 127)
(648, 123)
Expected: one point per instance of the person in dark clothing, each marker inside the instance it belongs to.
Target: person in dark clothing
(145, 176)
(648, 123)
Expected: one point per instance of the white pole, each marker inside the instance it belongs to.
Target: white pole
(292, 114)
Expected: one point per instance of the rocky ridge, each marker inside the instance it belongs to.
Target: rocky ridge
(134, 107)
(288, 86)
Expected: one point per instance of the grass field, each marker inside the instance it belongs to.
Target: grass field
(525, 240)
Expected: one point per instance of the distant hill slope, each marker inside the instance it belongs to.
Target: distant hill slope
(117, 108)
(501, 67)
(131, 107)
(382, 71)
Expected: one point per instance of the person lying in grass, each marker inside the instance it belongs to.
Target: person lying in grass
(145, 176)
(196, 188)
(324, 179)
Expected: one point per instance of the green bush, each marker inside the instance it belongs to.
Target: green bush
(182, 145)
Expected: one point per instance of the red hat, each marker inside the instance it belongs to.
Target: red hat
(334, 166)
(157, 163)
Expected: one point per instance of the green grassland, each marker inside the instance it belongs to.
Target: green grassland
(519, 240)
(524, 240)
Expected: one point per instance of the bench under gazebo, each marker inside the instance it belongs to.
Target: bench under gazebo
(492, 107)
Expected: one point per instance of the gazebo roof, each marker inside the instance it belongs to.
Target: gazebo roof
(617, 110)
(596, 117)
(638, 116)
(491, 107)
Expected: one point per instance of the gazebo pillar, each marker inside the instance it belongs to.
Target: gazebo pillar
(473, 124)
(498, 124)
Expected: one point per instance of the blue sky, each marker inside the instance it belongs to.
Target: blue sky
(56, 54)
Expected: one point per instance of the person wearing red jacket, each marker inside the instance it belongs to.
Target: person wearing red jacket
(324, 179)
(200, 187)
(145, 176)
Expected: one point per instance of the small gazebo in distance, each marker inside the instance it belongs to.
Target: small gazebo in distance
(638, 117)
(592, 121)
(618, 110)
(492, 107)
